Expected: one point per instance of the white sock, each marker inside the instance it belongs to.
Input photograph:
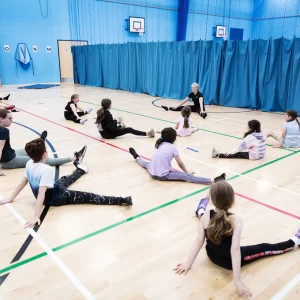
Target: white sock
(296, 240)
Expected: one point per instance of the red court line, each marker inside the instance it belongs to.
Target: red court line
(269, 206)
(125, 150)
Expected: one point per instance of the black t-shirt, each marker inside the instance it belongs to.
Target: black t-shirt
(195, 98)
(7, 152)
(68, 107)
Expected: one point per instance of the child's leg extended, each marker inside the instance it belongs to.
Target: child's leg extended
(252, 253)
(78, 197)
(181, 176)
(66, 181)
(244, 155)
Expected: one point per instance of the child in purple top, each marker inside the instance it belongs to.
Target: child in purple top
(160, 165)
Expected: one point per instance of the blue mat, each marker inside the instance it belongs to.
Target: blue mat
(38, 86)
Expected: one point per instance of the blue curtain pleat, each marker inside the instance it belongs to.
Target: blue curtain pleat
(257, 74)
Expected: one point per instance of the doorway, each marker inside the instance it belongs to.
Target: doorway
(66, 59)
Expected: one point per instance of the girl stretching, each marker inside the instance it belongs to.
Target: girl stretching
(290, 136)
(110, 128)
(72, 113)
(11, 159)
(160, 167)
(48, 192)
(184, 123)
(198, 100)
(254, 141)
(222, 231)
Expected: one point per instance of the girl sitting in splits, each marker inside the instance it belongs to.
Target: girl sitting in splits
(290, 136)
(48, 192)
(72, 113)
(198, 100)
(222, 231)
(254, 141)
(160, 167)
(13, 159)
(110, 128)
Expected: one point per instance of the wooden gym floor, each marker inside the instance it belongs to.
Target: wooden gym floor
(129, 253)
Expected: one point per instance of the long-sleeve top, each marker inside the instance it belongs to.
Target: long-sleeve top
(108, 124)
(255, 143)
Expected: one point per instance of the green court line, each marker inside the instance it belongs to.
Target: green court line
(166, 121)
(80, 239)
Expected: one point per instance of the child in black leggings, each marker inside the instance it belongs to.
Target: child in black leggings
(47, 192)
(222, 231)
(73, 112)
(110, 128)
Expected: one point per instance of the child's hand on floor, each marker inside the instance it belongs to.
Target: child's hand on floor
(4, 201)
(182, 268)
(32, 222)
(277, 145)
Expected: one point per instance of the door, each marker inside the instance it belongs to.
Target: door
(66, 59)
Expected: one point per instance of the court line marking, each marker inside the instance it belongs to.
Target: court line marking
(233, 172)
(28, 240)
(75, 241)
(166, 121)
(74, 280)
(35, 106)
(287, 288)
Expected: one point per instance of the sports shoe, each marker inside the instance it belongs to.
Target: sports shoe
(6, 98)
(165, 107)
(214, 153)
(220, 178)
(81, 167)
(126, 201)
(83, 121)
(133, 153)
(203, 115)
(89, 110)
(80, 155)
(44, 135)
(151, 133)
(121, 121)
(202, 206)
(296, 238)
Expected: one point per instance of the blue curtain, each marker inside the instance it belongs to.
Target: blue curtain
(258, 74)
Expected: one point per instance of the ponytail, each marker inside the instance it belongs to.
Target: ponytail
(220, 226)
(105, 103)
(186, 112)
(168, 135)
(100, 115)
(294, 115)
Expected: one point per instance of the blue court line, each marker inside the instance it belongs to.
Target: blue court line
(192, 149)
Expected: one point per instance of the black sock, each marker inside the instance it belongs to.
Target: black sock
(133, 153)
(6, 98)
(220, 178)
(165, 107)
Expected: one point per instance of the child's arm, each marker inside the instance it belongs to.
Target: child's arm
(182, 165)
(279, 144)
(38, 207)
(184, 268)
(2, 143)
(177, 125)
(240, 148)
(73, 107)
(236, 258)
(16, 191)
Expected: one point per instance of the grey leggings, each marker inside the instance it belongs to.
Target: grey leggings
(176, 175)
(22, 158)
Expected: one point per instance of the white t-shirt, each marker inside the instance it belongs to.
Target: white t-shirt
(184, 131)
(39, 174)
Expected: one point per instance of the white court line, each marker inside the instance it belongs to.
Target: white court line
(75, 281)
(264, 124)
(235, 173)
(280, 295)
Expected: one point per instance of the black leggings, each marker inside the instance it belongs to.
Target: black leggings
(244, 155)
(252, 253)
(192, 107)
(60, 195)
(71, 117)
(120, 132)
